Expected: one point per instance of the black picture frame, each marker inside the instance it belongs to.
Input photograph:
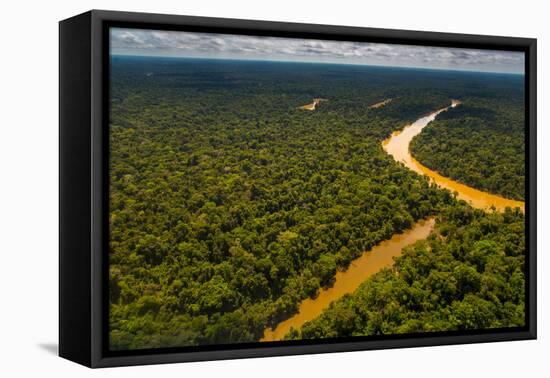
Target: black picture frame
(83, 182)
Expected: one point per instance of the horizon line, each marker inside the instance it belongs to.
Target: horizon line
(318, 62)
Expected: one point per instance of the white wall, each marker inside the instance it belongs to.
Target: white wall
(28, 186)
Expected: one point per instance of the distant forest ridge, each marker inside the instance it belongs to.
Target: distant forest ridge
(121, 57)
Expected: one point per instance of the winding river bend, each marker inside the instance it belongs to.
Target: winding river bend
(360, 269)
(397, 145)
(381, 256)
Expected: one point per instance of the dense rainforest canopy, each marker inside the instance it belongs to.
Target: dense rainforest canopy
(229, 205)
(467, 275)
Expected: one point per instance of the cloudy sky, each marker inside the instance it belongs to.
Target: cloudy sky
(227, 46)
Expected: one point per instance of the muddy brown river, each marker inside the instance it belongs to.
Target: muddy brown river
(370, 262)
(397, 145)
(381, 256)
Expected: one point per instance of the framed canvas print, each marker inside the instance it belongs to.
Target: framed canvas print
(233, 188)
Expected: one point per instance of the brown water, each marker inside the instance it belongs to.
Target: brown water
(382, 255)
(381, 103)
(397, 145)
(312, 106)
(370, 262)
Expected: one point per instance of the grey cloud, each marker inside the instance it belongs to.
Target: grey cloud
(173, 43)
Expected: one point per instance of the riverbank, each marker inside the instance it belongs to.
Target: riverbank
(381, 103)
(312, 105)
(397, 145)
(379, 257)
(382, 255)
